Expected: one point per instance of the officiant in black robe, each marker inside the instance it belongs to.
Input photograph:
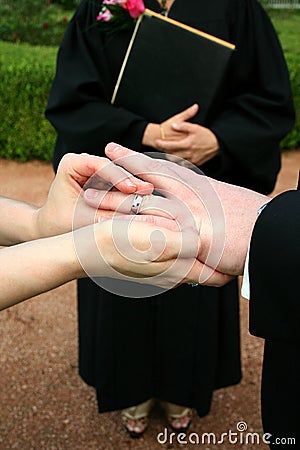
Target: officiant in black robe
(181, 345)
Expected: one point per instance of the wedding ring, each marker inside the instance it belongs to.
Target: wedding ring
(136, 204)
(162, 132)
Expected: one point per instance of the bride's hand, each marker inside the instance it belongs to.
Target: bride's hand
(131, 250)
(76, 172)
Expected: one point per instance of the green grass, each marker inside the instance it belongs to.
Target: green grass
(26, 73)
(287, 26)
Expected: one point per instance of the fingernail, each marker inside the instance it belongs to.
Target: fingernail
(129, 183)
(112, 149)
(103, 218)
(91, 193)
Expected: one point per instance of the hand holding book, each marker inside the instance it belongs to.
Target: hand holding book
(168, 67)
(172, 76)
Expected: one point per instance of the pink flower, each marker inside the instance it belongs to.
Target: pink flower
(105, 16)
(134, 7)
(115, 9)
(113, 2)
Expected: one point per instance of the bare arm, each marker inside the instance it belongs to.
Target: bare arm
(37, 266)
(16, 221)
(21, 222)
(45, 262)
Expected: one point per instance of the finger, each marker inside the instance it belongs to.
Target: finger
(199, 274)
(85, 168)
(218, 279)
(98, 182)
(157, 171)
(176, 248)
(108, 200)
(186, 156)
(157, 221)
(122, 203)
(184, 127)
(166, 244)
(151, 205)
(167, 182)
(120, 179)
(172, 146)
(187, 113)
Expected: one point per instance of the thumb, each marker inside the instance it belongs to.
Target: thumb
(184, 127)
(187, 113)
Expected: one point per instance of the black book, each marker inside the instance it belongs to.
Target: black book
(168, 67)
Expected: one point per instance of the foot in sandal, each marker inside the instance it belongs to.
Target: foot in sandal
(135, 418)
(179, 417)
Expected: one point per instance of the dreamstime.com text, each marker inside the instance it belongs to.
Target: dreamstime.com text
(232, 437)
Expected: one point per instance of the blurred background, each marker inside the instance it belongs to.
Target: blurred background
(30, 33)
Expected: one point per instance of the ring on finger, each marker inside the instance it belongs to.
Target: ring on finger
(136, 204)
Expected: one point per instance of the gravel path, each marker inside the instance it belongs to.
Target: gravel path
(44, 403)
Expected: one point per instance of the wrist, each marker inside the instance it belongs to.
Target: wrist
(47, 222)
(67, 256)
(215, 146)
(88, 244)
(36, 230)
(151, 134)
(27, 224)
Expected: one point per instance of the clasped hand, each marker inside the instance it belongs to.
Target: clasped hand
(179, 137)
(222, 215)
(104, 249)
(203, 223)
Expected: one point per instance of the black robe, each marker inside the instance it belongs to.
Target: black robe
(275, 313)
(181, 345)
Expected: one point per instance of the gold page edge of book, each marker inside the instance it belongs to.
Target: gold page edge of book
(113, 98)
(148, 12)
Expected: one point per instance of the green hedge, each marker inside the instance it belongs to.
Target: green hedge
(287, 25)
(26, 73)
(37, 22)
(292, 140)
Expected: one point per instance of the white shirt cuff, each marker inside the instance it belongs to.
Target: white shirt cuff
(245, 284)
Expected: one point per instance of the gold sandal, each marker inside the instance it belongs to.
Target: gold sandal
(135, 418)
(179, 417)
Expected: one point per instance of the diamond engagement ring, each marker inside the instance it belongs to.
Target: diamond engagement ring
(136, 204)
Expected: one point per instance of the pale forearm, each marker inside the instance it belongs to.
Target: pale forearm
(17, 221)
(35, 267)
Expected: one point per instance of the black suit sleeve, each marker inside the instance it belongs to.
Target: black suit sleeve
(274, 270)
